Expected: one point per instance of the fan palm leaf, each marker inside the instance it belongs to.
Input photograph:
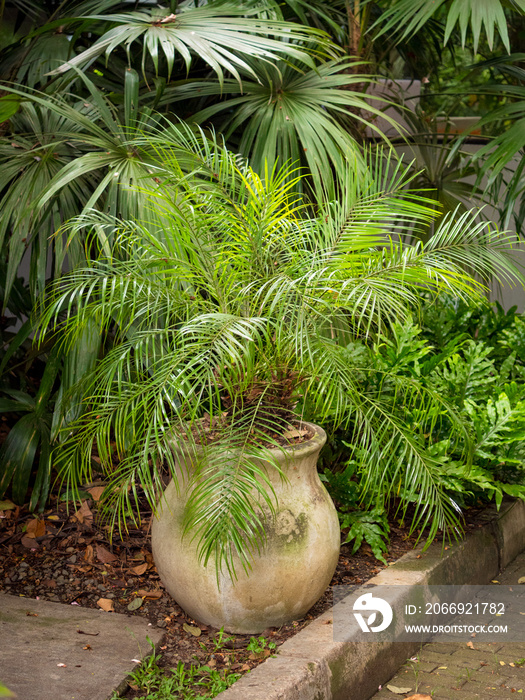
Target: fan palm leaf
(220, 34)
(290, 116)
(406, 17)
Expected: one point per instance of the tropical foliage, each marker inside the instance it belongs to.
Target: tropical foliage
(99, 100)
(470, 355)
(234, 315)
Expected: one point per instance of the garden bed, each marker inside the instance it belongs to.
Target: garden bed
(67, 557)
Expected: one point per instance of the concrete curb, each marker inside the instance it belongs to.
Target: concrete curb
(311, 666)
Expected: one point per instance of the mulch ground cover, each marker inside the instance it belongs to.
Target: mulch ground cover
(66, 555)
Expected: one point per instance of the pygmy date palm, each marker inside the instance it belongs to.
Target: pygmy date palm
(232, 314)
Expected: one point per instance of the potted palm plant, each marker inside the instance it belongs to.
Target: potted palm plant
(226, 319)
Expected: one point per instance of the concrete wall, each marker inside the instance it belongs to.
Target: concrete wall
(407, 92)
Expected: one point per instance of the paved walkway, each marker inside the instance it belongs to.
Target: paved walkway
(454, 671)
(51, 651)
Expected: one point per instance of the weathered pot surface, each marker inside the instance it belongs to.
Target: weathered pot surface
(290, 574)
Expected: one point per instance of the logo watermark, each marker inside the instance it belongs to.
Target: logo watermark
(368, 602)
(429, 613)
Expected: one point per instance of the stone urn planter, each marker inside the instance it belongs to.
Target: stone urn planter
(291, 572)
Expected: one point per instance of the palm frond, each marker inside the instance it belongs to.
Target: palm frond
(222, 35)
(290, 115)
(406, 17)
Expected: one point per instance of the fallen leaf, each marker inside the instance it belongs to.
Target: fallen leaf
(31, 614)
(135, 604)
(62, 665)
(52, 517)
(35, 528)
(141, 569)
(470, 645)
(263, 654)
(195, 631)
(29, 543)
(106, 604)
(150, 595)
(294, 433)
(89, 554)
(521, 580)
(96, 492)
(494, 581)
(84, 514)
(502, 663)
(7, 505)
(104, 556)
(442, 668)
(398, 691)
(88, 646)
(419, 696)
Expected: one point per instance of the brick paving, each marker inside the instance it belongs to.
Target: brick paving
(454, 671)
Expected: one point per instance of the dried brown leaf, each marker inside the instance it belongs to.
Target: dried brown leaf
(294, 433)
(84, 514)
(96, 492)
(106, 604)
(398, 691)
(35, 528)
(104, 555)
(140, 569)
(89, 554)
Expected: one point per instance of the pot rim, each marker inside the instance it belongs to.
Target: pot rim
(316, 442)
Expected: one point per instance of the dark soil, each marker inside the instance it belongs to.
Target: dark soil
(66, 556)
(208, 431)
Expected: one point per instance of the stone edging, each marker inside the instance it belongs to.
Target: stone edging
(311, 666)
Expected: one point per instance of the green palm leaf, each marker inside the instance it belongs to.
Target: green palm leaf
(291, 116)
(406, 17)
(219, 34)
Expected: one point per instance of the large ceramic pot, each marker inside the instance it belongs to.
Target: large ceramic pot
(289, 575)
